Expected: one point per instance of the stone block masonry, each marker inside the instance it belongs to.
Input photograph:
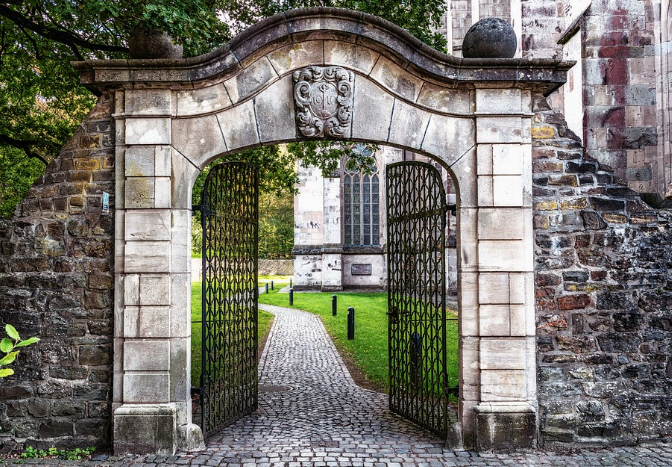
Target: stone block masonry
(56, 282)
(603, 287)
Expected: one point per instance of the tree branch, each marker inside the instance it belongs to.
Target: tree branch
(53, 34)
(24, 145)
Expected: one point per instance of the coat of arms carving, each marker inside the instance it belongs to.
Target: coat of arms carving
(323, 97)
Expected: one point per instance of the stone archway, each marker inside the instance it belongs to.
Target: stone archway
(173, 117)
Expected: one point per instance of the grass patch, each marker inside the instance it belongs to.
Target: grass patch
(265, 320)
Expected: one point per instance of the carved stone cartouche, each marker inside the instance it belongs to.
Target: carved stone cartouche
(323, 97)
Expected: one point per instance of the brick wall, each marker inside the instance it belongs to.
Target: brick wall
(603, 278)
(56, 282)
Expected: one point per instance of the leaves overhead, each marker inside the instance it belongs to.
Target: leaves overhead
(42, 102)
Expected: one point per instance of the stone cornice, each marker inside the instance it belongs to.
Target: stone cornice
(327, 24)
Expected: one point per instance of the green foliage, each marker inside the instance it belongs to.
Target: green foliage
(17, 174)
(8, 346)
(276, 225)
(417, 17)
(55, 453)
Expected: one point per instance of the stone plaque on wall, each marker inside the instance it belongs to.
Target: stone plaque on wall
(323, 97)
(361, 270)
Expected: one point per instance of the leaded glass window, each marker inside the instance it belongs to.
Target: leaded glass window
(361, 208)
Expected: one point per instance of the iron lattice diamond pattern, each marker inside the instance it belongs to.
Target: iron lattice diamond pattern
(229, 215)
(416, 224)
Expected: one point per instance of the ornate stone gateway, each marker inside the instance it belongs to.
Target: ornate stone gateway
(380, 85)
(229, 305)
(416, 230)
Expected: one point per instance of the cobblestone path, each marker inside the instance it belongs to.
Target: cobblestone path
(312, 414)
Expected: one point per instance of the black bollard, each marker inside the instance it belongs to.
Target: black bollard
(291, 296)
(351, 324)
(333, 305)
(272, 285)
(266, 287)
(290, 283)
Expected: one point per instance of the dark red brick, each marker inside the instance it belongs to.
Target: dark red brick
(574, 302)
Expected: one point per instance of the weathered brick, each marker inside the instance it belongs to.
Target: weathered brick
(575, 276)
(547, 279)
(607, 204)
(573, 302)
(612, 218)
(551, 205)
(94, 355)
(90, 141)
(578, 344)
(563, 180)
(79, 176)
(593, 221)
(543, 132)
(56, 429)
(578, 203)
(585, 167)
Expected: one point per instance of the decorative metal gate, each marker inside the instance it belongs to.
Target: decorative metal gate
(229, 331)
(416, 225)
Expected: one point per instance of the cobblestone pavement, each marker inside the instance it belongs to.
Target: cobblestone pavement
(312, 414)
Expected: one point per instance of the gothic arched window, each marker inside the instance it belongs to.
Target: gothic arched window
(361, 208)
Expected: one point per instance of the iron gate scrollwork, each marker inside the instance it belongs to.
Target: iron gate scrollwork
(229, 217)
(416, 226)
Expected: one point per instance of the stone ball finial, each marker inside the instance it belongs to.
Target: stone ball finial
(147, 43)
(490, 38)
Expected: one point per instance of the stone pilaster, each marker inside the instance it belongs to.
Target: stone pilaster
(152, 312)
(499, 280)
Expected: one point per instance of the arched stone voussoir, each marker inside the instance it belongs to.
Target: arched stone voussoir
(198, 138)
(202, 101)
(408, 125)
(449, 138)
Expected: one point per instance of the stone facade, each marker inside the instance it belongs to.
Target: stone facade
(56, 282)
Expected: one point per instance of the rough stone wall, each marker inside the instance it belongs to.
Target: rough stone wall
(603, 275)
(56, 282)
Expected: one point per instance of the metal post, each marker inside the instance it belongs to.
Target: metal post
(291, 286)
(266, 287)
(291, 296)
(272, 285)
(351, 324)
(333, 305)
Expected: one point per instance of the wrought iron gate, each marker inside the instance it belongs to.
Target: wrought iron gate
(416, 225)
(229, 214)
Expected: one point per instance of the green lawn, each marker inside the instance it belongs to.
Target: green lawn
(368, 351)
(265, 320)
